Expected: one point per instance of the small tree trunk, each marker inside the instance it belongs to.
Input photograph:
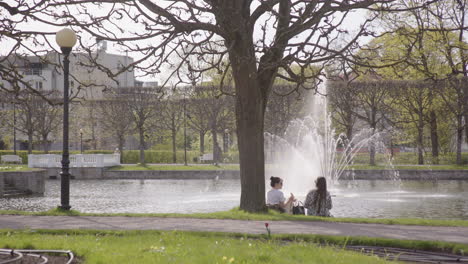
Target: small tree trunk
(93, 136)
(459, 139)
(347, 146)
(30, 142)
(174, 147)
(434, 138)
(466, 120)
(142, 145)
(420, 146)
(372, 143)
(121, 144)
(225, 143)
(216, 149)
(46, 146)
(372, 154)
(202, 142)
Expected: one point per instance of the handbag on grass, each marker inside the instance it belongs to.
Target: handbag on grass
(298, 209)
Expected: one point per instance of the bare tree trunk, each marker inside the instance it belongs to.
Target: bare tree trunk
(216, 149)
(30, 142)
(93, 136)
(372, 149)
(434, 138)
(202, 142)
(372, 153)
(250, 116)
(225, 143)
(174, 147)
(347, 147)
(251, 98)
(46, 146)
(460, 130)
(392, 151)
(142, 145)
(420, 145)
(372, 143)
(121, 144)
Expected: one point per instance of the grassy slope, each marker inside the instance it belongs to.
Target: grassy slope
(270, 216)
(411, 167)
(203, 247)
(14, 167)
(174, 167)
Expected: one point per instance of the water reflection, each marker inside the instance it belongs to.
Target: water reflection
(375, 199)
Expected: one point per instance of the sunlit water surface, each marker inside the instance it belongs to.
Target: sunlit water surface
(372, 199)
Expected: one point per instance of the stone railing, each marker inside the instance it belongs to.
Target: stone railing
(76, 160)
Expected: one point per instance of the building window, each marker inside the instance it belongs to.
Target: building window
(38, 85)
(33, 69)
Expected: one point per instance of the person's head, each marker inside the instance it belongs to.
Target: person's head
(276, 182)
(321, 184)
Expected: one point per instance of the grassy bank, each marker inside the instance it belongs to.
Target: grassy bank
(410, 167)
(270, 216)
(202, 247)
(181, 167)
(175, 167)
(14, 167)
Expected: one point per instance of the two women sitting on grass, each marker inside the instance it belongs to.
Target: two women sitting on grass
(318, 201)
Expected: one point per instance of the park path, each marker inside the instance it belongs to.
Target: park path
(429, 233)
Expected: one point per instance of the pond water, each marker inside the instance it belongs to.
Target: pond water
(372, 199)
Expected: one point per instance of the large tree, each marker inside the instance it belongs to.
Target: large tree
(261, 39)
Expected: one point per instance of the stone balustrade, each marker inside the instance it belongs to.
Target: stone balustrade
(76, 160)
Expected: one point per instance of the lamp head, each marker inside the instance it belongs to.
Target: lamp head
(66, 39)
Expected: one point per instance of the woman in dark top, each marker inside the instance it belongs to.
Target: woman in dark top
(318, 201)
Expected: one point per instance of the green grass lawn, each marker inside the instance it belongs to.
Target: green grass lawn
(410, 167)
(98, 246)
(180, 167)
(238, 214)
(176, 167)
(15, 167)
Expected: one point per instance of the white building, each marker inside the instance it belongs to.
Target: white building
(45, 73)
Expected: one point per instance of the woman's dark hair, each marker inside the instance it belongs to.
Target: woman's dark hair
(321, 193)
(274, 181)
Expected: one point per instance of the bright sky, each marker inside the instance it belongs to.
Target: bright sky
(352, 23)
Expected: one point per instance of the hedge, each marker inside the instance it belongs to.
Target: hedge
(133, 156)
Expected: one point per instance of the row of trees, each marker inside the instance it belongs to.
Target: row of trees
(148, 114)
(418, 83)
(412, 113)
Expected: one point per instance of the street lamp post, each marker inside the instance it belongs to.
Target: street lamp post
(226, 144)
(185, 133)
(14, 128)
(66, 39)
(81, 140)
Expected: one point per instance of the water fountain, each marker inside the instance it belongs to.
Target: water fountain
(311, 148)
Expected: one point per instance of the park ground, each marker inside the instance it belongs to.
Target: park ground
(216, 239)
(181, 167)
(225, 237)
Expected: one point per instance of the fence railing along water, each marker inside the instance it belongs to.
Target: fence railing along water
(76, 160)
